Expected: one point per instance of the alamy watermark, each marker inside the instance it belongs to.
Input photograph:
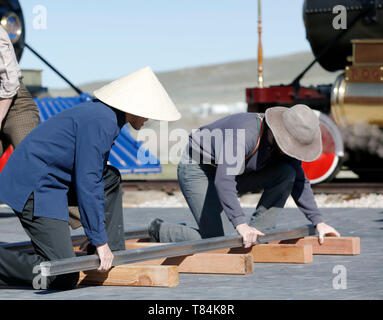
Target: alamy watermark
(215, 147)
(39, 281)
(339, 282)
(40, 19)
(340, 20)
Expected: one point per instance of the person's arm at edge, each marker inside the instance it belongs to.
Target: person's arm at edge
(93, 143)
(226, 187)
(9, 74)
(4, 107)
(304, 198)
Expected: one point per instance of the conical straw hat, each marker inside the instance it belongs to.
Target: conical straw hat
(140, 93)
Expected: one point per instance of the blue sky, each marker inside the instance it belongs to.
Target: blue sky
(90, 40)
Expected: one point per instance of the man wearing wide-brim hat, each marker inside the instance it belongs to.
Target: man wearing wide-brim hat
(268, 150)
(64, 160)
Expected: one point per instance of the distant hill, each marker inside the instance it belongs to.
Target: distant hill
(206, 93)
(225, 83)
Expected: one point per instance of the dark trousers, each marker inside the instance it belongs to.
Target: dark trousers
(51, 240)
(197, 185)
(22, 118)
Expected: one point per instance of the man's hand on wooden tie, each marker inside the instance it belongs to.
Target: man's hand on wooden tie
(326, 230)
(249, 234)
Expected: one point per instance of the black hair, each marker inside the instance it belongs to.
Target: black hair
(120, 115)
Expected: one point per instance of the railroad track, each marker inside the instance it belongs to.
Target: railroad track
(349, 186)
(168, 186)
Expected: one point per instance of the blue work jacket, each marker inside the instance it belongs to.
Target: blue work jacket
(71, 148)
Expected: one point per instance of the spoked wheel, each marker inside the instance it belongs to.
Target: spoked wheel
(329, 163)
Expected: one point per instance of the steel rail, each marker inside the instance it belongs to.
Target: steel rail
(76, 264)
(26, 246)
(348, 188)
(139, 233)
(337, 186)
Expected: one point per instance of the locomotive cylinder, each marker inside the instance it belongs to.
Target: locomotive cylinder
(357, 94)
(353, 103)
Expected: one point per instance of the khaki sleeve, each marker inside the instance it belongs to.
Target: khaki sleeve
(10, 73)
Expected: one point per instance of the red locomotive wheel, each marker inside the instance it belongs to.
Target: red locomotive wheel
(329, 162)
(4, 158)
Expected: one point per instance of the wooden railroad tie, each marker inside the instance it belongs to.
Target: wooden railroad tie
(331, 245)
(164, 272)
(301, 250)
(217, 263)
(276, 253)
(273, 253)
(129, 275)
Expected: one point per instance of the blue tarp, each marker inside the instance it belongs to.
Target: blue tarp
(124, 153)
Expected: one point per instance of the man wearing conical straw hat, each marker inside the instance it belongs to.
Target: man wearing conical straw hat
(64, 161)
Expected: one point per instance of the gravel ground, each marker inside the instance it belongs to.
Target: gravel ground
(352, 215)
(269, 281)
(159, 199)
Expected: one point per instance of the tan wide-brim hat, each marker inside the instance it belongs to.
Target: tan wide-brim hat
(296, 131)
(140, 93)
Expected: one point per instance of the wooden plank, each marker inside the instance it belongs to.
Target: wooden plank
(129, 275)
(213, 263)
(147, 240)
(281, 253)
(77, 243)
(331, 245)
(131, 244)
(262, 253)
(276, 253)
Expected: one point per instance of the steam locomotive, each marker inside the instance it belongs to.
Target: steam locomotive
(12, 20)
(350, 110)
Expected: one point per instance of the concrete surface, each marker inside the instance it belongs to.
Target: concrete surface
(269, 281)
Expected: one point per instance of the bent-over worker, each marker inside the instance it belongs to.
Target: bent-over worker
(242, 153)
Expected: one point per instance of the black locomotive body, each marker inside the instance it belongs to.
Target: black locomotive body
(351, 108)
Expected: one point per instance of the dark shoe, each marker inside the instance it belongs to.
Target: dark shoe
(154, 229)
